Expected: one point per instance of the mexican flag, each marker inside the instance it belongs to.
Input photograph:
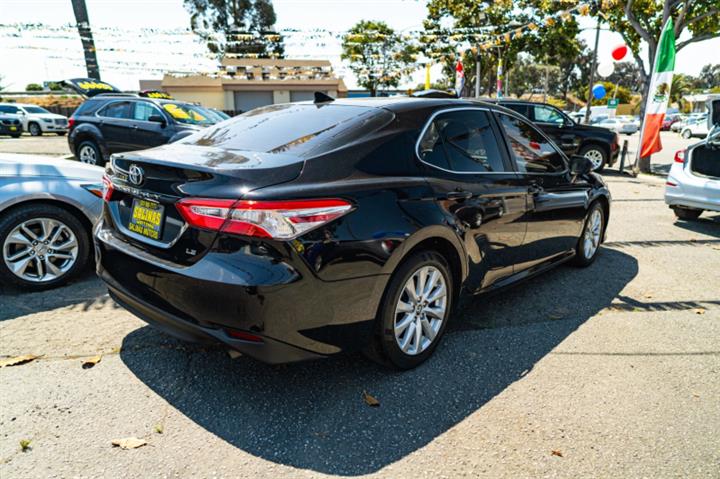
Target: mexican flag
(659, 93)
(459, 78)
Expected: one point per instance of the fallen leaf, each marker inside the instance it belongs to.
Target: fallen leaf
(129, 443)
(556, 453)
(92, 361)
(159, 428)
(370, 400)
(18, 360)
(234, 354)
(25, 445)
(699, 311)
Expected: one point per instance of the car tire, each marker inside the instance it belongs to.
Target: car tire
(687, 134)
(34, 129)
(16, 136)
(89, 152)
(404, 339)
(67, 250)
(591, 237)
(688, 214)
(596, 154)
(61, 133)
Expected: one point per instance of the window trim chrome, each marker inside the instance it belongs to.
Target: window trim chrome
(427, 126)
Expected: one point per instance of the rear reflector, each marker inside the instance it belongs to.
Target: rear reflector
(680, 156)
(670, 183)
(243, 335)
(263, 219)
(107, 188)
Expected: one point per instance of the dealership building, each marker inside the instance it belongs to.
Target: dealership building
(243, 84)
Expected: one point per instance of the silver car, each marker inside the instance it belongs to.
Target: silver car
(47, 209)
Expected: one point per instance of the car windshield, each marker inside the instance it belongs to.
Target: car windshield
(35, 109)
(297, 128)
(189, 114)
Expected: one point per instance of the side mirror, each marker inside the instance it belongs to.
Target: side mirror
(579, 165)
(157, 119)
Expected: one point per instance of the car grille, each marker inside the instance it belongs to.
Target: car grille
(61, 121)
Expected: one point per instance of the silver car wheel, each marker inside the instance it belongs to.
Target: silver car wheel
(88, 155)
(40, 250)
(596, 158)
(593, 230)
(420, 310)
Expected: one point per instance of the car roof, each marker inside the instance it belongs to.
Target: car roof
(401, 103)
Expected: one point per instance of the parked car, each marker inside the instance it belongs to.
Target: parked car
(115, 122)
(668, 122)
(597, 144)
(693, 184)
(37, 120)
(695, 128)
(618, 125)
(47, 209)
(10, 125)
(302, 230)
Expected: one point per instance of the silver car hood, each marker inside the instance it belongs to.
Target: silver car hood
(46, 166)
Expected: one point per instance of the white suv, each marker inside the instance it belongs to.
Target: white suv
(35, 119)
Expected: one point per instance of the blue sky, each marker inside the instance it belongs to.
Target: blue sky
(29, 58)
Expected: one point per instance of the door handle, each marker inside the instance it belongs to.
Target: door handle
(459, 195)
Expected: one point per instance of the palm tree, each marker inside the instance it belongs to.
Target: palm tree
(680, 86)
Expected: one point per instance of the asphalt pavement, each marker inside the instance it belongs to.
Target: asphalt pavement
(608, 371)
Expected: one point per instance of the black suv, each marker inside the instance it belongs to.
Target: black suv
(301, 230)
(599, 145)
(116, 122)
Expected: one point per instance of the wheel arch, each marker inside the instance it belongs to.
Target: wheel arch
(593, 142)
(69, 207)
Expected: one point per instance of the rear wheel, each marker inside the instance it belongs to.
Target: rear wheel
(414, 311)
(687, 213)
(88, 152)
(687, 134)
(596, 155)
(43, 246)
(591, 237)
(34, 129)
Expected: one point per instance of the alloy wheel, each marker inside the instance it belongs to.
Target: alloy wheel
(88, 155)
(40, 250)
(596, 158)
(593, 230)
(35, 130)
(420, 310)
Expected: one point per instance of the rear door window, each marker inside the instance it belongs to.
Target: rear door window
(462, 141)
(545, 114)
(118, 109)
(533, 153)
(300, 129)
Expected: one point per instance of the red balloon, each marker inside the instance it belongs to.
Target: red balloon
(619, 52)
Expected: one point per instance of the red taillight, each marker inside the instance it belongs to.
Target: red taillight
(670, 183)
(71, 122)
(243, 335)
(107, 188)
(263, 219)
(680, 156)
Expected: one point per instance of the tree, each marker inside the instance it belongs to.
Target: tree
(709, 76)
(623, 94)
(242, 27)
(378, 56)
(628, 75)
(680, 86)
(642, 20)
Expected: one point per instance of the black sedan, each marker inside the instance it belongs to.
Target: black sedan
(302, 230)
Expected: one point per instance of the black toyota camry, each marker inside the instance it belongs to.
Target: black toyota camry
(303, 230)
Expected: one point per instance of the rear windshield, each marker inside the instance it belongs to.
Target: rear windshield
(298, 128)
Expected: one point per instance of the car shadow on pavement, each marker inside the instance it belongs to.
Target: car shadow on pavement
(85, 293)
(312, 415)
(708, 223)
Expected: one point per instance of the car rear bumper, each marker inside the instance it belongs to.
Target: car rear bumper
(295, 315)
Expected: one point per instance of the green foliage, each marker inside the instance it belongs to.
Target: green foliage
(623, 94)
(54, 86)
(378, 56)
(627, 74)
(548, 44)
(33, 87)
(244, 27)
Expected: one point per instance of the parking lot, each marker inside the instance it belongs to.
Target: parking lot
(609, 371)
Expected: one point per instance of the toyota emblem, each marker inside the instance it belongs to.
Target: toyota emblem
(136, 175)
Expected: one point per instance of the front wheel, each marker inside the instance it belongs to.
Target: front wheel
(88, 152)
(34, 129)
(596, 155)
(414, 311)
(589, 243)
(43, 246)
(687, 134)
